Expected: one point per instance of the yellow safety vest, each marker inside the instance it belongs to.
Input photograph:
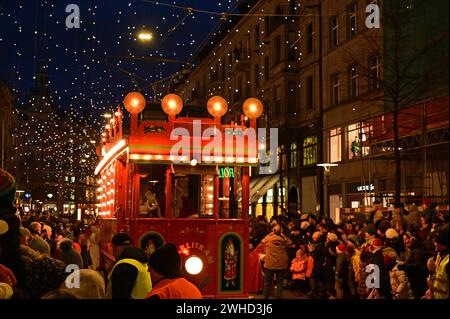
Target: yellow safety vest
(440, 283)
(143, 284)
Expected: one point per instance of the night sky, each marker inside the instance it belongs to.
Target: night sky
(79, 74)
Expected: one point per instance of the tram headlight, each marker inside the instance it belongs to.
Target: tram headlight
(193, 265)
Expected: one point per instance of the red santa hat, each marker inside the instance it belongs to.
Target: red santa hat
(378, 243)
(340, 248)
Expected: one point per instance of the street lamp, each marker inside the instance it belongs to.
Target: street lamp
(145, 36)
(326, 168)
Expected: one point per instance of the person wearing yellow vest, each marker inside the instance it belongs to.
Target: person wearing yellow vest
(165, 269)
(439, 286)
(130, 276)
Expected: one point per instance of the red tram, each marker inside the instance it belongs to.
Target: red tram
(183, 180)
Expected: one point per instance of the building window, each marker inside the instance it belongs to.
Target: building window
(277, 51)
(334, 84)
(309, 93)
(334, 147)
(334, 31)
(309, 38)
(277, 99)
(256, 76)
(357, 140)
(352, 20)
(257, 36)
(375, 72)
(66, 179)
(72, 179)
(292, 98)
(354, 81)
(309, 150)
(293, 156)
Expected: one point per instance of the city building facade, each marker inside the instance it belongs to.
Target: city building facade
(320, 73)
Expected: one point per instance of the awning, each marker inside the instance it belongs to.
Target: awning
(260, 185)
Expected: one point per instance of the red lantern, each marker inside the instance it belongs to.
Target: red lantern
(253, 108)
(172, 104)
(217, 106)
(134, 102)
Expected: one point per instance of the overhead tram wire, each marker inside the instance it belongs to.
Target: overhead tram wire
(224, 14)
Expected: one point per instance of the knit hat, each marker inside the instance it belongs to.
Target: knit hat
(353, 238)
(7, 189)
(340, 248)
(378, 243)
(391, 233)
(121, 239)
(371, 229)
(6, 291)
(46, 275)
(92, 284)
(3, 227)
(442, 237)
(332, 237)
(66, 244)
(166, 261)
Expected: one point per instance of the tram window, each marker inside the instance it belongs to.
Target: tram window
(230, 192)
(152, 191)
(186, 195)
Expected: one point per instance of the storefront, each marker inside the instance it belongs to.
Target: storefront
(360, 194)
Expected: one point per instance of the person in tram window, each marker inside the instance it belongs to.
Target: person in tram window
(153, 209)
(130, 277)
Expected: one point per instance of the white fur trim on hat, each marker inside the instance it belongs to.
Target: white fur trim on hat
(391, 233)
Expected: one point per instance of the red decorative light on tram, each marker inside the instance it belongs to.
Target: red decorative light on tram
(172, 104)
(253, 108)
(134, 102)
(217, 106)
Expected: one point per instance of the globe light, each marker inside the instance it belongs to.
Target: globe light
(172, 104)
(193, 265)
(253, 108)
(134, 102)
(217, 106)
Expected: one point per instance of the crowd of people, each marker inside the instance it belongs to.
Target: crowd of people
(46, 257)
(399, 255)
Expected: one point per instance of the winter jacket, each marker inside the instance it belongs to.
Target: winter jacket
(298, 267)
(401, 288)
(275, 248)
(385, 289)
